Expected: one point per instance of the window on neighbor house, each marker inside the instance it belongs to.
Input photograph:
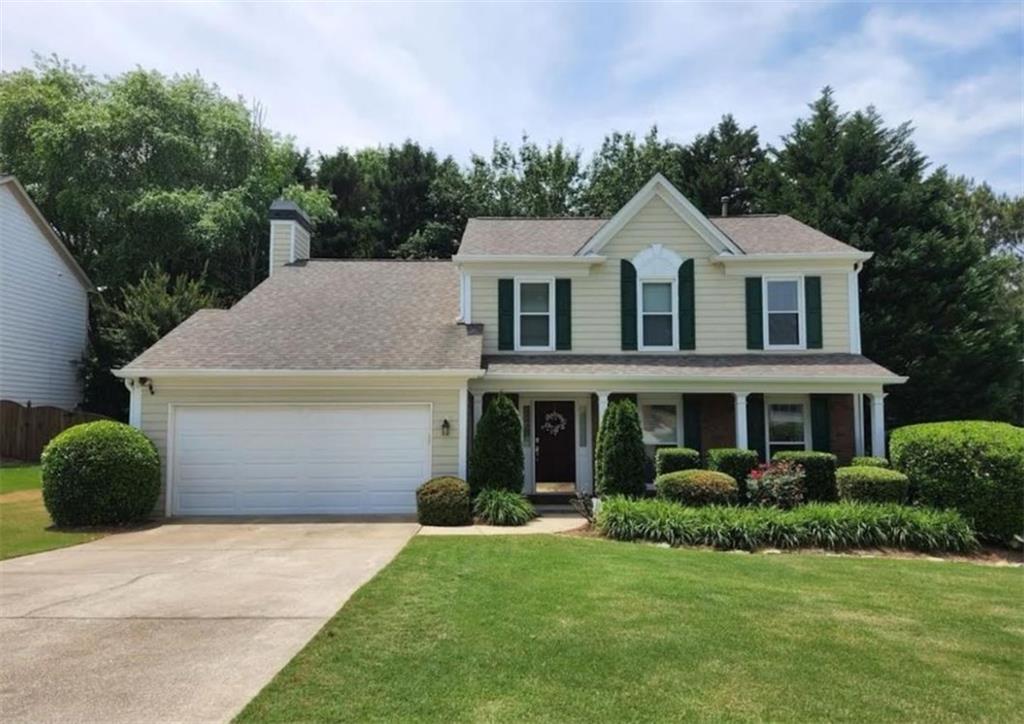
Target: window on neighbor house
(783, 312)
(786, 426)
(656, 317)
(535, 323)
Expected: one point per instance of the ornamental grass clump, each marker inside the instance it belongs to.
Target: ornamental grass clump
(503, 507)
(778, 484)
(833, 526)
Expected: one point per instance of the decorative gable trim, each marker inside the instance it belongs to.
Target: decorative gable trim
(660, 186)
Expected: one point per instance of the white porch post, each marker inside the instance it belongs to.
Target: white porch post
(858, 424)
(463, 423)
(878, 424)
(741, 420)
(134, 403)
(478, 408)
(602, 405)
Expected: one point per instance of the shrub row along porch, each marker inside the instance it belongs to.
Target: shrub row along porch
(766, 403)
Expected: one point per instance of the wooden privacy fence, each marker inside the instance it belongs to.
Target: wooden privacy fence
(25, 430)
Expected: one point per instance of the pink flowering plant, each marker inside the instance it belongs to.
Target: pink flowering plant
(778, 484)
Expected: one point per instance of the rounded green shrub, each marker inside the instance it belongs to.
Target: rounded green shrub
(444, 501)
(672, 459)
(819, 472)
(869, 461)
(496, 460)
(100, 473)
(867, 484)
(734, 462)
(974, 467)
(620, 455)
(503, 507)
(697, 487)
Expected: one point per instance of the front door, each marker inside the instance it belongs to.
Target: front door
(555, 447)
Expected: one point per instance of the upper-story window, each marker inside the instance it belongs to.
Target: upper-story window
(535, 319)
(783, 313)
(657, 315)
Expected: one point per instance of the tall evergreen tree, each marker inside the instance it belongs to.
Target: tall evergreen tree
(623, 165)
(725, 161)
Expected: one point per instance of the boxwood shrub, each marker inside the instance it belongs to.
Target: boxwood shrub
(815, 525)
(672, 459)
(444, 501)
(869, 461)
(100, 473)
(869, 484)
(697, 487)
(972, 466)
(503, 507)
(734, 462)
(819, 469)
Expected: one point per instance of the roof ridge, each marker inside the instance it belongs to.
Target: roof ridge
(747, 216)
(539, 218)
(361, 259)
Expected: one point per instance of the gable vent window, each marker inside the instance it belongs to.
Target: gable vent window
(656, 311)
(535, 320)
(783, 314)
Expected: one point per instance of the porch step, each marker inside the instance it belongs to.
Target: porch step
(554, 509)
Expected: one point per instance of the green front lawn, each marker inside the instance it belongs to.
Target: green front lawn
(25, 526)
(561, 628)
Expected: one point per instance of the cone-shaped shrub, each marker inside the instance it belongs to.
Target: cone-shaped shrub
(497, 457)
(620, 451)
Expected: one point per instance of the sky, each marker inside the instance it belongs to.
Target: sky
(458, 76)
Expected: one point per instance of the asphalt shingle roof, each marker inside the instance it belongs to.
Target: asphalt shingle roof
(755, 234)
(725, 367)
(330, 315)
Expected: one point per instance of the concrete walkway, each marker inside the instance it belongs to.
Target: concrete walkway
(547, 523)
(185, 622)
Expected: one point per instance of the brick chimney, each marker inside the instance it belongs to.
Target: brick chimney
(290, 228)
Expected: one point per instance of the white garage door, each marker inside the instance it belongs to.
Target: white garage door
(301, 459)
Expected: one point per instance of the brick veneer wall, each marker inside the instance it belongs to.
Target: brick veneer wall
(840, 408)
(717, 421)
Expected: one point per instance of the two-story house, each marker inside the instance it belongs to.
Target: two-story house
(340, 386)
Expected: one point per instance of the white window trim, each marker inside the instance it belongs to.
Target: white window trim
(801, 321)
(673, 281)
(676, 400)
(770, 400)
(550, 281)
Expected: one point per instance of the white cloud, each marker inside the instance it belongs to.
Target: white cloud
(457, 76)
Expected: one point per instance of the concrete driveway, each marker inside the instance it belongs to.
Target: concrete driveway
(185, 622)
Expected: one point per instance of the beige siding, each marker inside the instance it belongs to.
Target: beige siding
(280, 243)
(301, 243)
(444, 453)
(720, 299)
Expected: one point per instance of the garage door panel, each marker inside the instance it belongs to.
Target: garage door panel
(264, 459)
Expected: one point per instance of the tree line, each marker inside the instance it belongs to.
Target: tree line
(160, 187)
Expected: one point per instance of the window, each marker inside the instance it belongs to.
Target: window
(783, 312)
(535, 321)
(786, 426)
(527, 426)
(661, 420)
(657, 318)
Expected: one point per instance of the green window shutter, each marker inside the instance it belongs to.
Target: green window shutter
(821, 433)
(755, 426)
(563, 313)
(812, 292)
(755, 321)
(691, 422)
(627, 285)
(506, 314)
(687, 318)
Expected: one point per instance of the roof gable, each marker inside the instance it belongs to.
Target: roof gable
(33, 212)
(660, 186)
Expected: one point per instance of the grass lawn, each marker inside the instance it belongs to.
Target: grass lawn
(25, 526)
(562, 628)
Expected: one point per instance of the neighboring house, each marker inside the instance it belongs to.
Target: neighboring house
(339, 386)
(44, 306)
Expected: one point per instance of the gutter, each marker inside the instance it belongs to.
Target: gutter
(194, 372)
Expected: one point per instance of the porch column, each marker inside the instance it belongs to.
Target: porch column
(463, 423)
(878, 424)
(478, 408)
(602, 405)
(741, 420)
(858, 424)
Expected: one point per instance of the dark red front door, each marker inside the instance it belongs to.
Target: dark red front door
(555, 443)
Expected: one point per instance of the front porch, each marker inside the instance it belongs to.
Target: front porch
(796, 410)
